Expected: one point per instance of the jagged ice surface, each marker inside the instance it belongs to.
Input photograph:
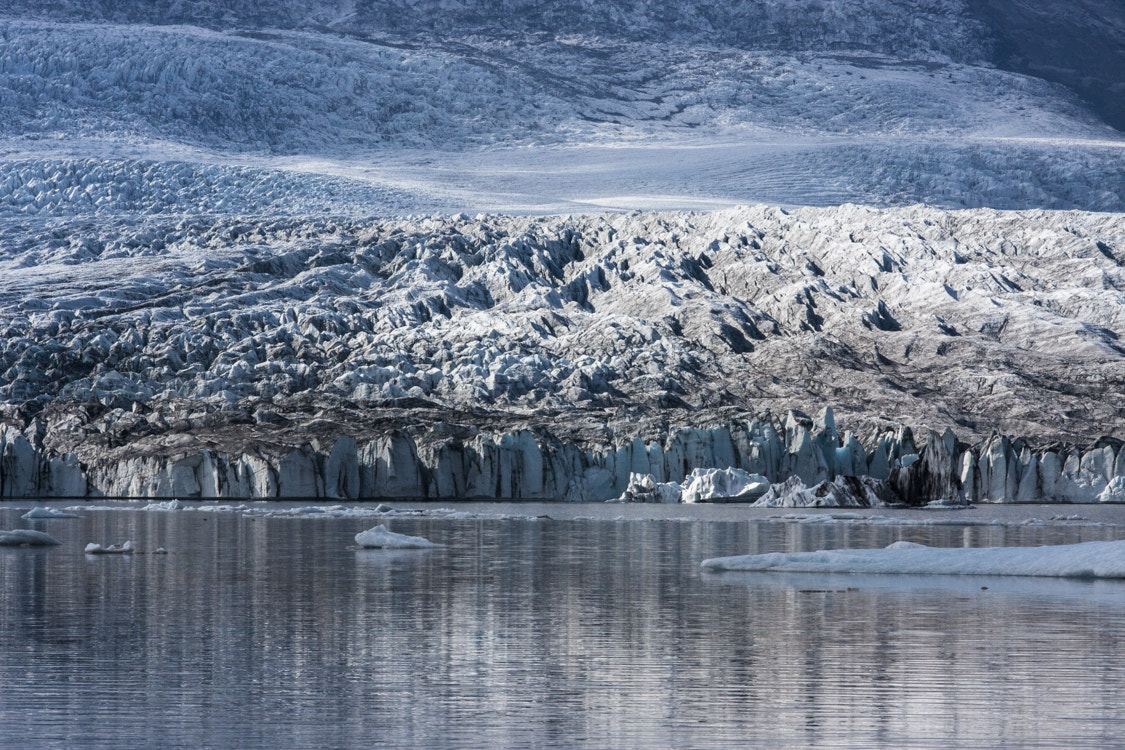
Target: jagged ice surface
(225, 357)
(203, 293)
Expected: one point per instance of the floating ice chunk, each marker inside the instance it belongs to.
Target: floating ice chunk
(381, 538)
(49, 513)
(1086, 560)
(841, 492)
(643, 488)
(948, 504)
(166, 505)
(723, 485)
(110, 549)
(21, 537)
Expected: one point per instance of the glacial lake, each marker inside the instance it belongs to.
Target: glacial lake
(588, 627)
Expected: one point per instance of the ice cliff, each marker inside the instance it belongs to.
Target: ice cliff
(537, 465)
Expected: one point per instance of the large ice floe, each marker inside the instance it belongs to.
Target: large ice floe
(1085, 560)
(26, 538)
(380, 538)
(42, 513)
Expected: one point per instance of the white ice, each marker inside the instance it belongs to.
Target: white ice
(166, 505)
(713, 484)
(20, 537)
(109, 549)
(380, 537)
(1086, 560)
(49, 513)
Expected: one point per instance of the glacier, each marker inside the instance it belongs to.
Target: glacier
(508, 251)
(551, 357)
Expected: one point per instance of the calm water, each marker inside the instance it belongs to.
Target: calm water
(270, 633)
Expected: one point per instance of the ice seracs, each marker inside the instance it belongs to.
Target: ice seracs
(549, 358)
(1085, 560)
(380, 538)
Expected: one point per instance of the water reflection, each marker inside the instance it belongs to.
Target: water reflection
(259, 632)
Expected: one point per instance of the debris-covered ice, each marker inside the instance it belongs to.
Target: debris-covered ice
(841, 492)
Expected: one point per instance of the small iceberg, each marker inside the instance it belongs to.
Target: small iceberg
(173, 504)
(380, 538)
(841, 492)
(642, 488)
(723, 486)
(1085, 560)
(110, 549)
(49, 513)
(26, 538)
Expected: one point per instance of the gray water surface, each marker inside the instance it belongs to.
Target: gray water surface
(259, 632)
